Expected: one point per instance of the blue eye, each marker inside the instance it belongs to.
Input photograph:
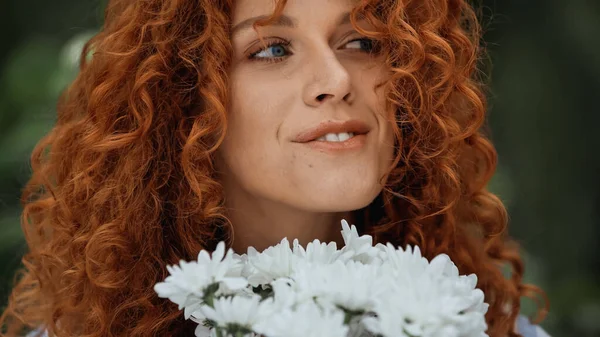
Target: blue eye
(366, 43)
(279, 48)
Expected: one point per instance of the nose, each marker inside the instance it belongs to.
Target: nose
(328, 80)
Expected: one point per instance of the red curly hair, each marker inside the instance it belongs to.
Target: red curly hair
(124, 183)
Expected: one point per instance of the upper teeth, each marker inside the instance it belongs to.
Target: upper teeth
(336, 137)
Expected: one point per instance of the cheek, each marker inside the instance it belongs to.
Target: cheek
(385, 120)
(251, 113)
(251, 146)
(386, 152)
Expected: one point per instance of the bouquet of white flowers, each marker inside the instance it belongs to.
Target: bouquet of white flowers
(322, 291)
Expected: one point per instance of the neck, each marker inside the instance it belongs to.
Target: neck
(262, 223)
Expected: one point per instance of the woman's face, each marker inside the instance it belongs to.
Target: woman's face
(317, 75)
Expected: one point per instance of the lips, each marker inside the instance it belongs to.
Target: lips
(355, 126)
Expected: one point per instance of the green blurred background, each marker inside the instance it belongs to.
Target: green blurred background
(543, 113)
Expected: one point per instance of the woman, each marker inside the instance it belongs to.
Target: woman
(193, 123)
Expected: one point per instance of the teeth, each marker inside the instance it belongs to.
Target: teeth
(343, 136)
(336, 137)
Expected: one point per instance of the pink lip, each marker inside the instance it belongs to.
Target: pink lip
(312, 134)
(353, 143)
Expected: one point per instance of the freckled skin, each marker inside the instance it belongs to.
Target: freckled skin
(269, 179)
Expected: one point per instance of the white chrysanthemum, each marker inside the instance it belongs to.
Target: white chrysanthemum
(187, 282)
(284, 294)
(427, 299)
(224, 268)
(204, 331)
(350, 285)
(314, 287)
(270, 264)
(242, 310)
(358, 248)
(181, 283)
(407, 262)
(306, 320)
(317, 252)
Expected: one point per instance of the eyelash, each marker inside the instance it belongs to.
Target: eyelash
(287, 44)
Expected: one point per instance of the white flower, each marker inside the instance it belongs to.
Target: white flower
(242, 310)
(204, 331)
(426, 299)
(274, 262)
(314, 289)
(306, 320)
(350, 285)
(181, 283)
(317, 252)
(361, 247)
(186, 283)
(407, 262)
(225, 269)
(284, 294)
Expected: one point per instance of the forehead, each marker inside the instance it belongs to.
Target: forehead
(244, 9)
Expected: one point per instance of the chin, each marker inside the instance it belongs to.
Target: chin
(342, 198)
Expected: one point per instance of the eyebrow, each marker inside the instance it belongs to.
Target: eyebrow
(282, 21)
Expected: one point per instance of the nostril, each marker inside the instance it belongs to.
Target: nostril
(321, 97)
